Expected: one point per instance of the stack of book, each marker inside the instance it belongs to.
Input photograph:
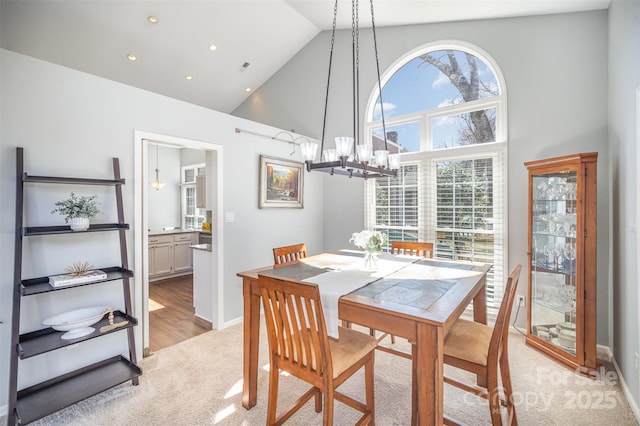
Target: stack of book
(71, 279)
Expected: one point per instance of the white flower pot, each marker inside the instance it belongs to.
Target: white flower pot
(79, 223)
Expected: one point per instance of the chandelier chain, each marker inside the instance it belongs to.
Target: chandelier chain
(326, 96)
(375, 49)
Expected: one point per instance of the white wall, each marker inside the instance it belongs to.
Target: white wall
(624, 80)
(164, 204)
(72, 123)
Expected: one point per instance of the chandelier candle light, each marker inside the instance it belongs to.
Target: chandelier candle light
(350, 157)
(157, 184)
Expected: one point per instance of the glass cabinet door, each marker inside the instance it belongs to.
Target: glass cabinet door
(553, 259)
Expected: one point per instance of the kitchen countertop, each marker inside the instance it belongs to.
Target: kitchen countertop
(173, 231)
(203, 247)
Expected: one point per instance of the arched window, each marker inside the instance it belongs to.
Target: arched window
(445, 113)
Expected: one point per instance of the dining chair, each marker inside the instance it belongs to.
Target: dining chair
(289, 254)
(483, 350)
(412, 248)
(299, 345)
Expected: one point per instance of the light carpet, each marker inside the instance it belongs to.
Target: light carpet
(199, 382)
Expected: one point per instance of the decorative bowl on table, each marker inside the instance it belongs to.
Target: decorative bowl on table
(77, 323)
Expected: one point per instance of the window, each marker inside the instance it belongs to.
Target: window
(192, 216)
(445, 114)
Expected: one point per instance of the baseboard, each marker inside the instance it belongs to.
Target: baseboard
(627, 392)
(233, 322)
(604, 353)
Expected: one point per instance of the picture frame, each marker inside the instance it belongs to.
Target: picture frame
(281, 183)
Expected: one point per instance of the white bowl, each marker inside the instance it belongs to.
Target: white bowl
(76, 323)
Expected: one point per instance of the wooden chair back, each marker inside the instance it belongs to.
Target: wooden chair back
(299, 344)
(500, 335)
(412, 248)
(296, 328)
(289, 254)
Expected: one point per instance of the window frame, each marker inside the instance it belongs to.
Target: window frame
(184, 186)
(428, 157)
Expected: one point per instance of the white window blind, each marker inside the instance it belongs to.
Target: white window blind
(457, 203)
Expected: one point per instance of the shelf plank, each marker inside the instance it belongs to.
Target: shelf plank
(72, 180)
(41, 284)
(48, 397)
(66, 229)
(48, 339)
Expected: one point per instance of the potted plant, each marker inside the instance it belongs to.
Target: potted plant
(77, 211)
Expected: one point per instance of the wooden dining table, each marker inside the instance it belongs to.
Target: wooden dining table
(419, 300)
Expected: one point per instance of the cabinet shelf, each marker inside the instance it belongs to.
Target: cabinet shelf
(71, 180)
(42, 399)
(48, 339)
(66, 229)
(560, 308)
(536, 267)
(41, 284)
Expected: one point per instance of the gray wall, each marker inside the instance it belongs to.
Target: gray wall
(71, 124)
(624, 158)
(555, 70)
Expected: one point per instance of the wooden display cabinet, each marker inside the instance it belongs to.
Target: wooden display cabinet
(561, 308)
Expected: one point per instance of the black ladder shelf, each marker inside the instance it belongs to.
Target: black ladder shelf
(37, 401)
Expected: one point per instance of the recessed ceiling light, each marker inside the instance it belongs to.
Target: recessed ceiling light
(132, 57)
(188, 77)
(248, 89)
(153, 19)
(212, 47)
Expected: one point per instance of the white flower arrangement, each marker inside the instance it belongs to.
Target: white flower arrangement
(370, 241)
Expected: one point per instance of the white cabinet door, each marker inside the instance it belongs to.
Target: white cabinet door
(161, 258)
(182, 256)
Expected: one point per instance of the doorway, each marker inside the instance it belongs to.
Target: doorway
(145, 147)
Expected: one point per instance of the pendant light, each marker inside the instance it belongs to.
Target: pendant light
(351, 157)
(157, 184)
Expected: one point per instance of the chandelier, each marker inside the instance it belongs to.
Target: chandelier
(157, 184)
(351, 157)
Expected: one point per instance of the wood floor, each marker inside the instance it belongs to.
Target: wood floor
(171, 313)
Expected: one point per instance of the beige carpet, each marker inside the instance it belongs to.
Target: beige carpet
(199, 382)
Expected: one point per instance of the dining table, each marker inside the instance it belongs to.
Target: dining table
(411, 297)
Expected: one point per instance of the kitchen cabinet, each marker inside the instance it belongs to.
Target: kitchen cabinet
(182, 253)
(561, 310)
(161, 250)
(170, 255)
(201, 191)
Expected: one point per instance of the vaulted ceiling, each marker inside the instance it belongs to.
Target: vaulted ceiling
(252, 39)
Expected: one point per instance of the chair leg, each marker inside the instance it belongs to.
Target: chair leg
(318, 402)
(327, 416)
(508, 388)
(369, 386)
(272, 405)
(414, 387)
(494, 397)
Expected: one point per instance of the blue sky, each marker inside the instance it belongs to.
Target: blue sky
(418, 86)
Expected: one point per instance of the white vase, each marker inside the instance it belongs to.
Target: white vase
(79, 223)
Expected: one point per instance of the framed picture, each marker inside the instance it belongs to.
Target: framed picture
(281, 183)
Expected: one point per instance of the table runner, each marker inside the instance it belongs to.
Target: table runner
(346, 277)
